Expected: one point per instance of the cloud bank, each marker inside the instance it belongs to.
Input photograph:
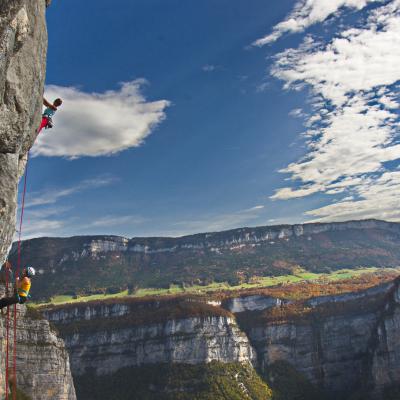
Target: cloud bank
(99, 124)
(307, 13)
(353, 132)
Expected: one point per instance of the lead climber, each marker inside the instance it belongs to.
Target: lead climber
(22, 287)
(47, 121)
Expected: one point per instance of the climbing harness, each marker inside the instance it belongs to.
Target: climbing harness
(14, 391)
(50, 123)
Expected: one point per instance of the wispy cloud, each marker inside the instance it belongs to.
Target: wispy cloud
(51, 196)
(377, 199)
(214, 223)
(209, 68)
(309, 12)
(42, 227)
(116, 220)
(98, 124)
(45, 217)
(352, 133)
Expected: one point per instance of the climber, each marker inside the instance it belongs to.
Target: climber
(22, 287)
(48, 113)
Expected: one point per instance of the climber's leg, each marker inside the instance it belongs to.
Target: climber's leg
(8, 301)
(43, 124)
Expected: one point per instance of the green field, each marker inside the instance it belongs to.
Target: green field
(257, 282)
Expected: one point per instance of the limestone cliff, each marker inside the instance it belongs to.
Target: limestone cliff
(107, 337)
(23, 47)
(42, 361)
(151, 349)
(347, 345)
(332, 347)
(43, 371)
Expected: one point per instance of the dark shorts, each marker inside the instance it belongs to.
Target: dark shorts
(9, 301)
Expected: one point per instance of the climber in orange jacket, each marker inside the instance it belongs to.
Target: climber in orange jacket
(22, 287)
(47, 121)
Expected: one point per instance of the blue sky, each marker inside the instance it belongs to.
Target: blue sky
(190, 116)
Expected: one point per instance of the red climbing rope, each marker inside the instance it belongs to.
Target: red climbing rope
(7, 328)
(21, 219)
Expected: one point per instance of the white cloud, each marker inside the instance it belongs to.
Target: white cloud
(255, 208)
(377, 199)
(389, 102)
(98, 124)
(115, 220)
(215, 223)
(309, 12)
(353, 131)
(51, 196)
(297, 113)
(42, 227)
(263, 87)
(209, 68)
(43, 217)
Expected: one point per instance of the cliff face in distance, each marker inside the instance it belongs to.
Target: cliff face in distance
(23, 47)
(86, 264)
(344, 347)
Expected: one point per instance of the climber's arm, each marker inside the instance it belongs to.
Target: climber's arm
(17, 283)
(48, 104)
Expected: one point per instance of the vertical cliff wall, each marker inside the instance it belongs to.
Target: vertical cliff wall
(106, 337)
(136, 349)
(42, 362)
(43, 371)
(344, 346)
(23, 47)
(347, 346)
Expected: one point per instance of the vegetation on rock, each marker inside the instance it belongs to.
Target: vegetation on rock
(213, 381)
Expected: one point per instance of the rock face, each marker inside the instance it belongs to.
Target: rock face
(232, 256)
(43, 371)
(384, 363)
(346, 346)
(252, 303)
(42, 362)
(105, 339)
(23, 46)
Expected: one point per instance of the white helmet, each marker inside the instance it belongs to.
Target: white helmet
(30, 271)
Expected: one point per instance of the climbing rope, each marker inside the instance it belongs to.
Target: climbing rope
(14, 392)
(7, 328)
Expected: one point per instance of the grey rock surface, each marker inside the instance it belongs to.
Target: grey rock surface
(350, 346)
(385, 363)
(43, 369)
(195, 340)
(252, 303)
(344, 345)
(23, 47)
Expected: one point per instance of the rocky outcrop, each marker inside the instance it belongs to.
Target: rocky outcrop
(252, 303)
(385, 351)
(23, 47)
(346, 346)
(106, 338)
(43, 371)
